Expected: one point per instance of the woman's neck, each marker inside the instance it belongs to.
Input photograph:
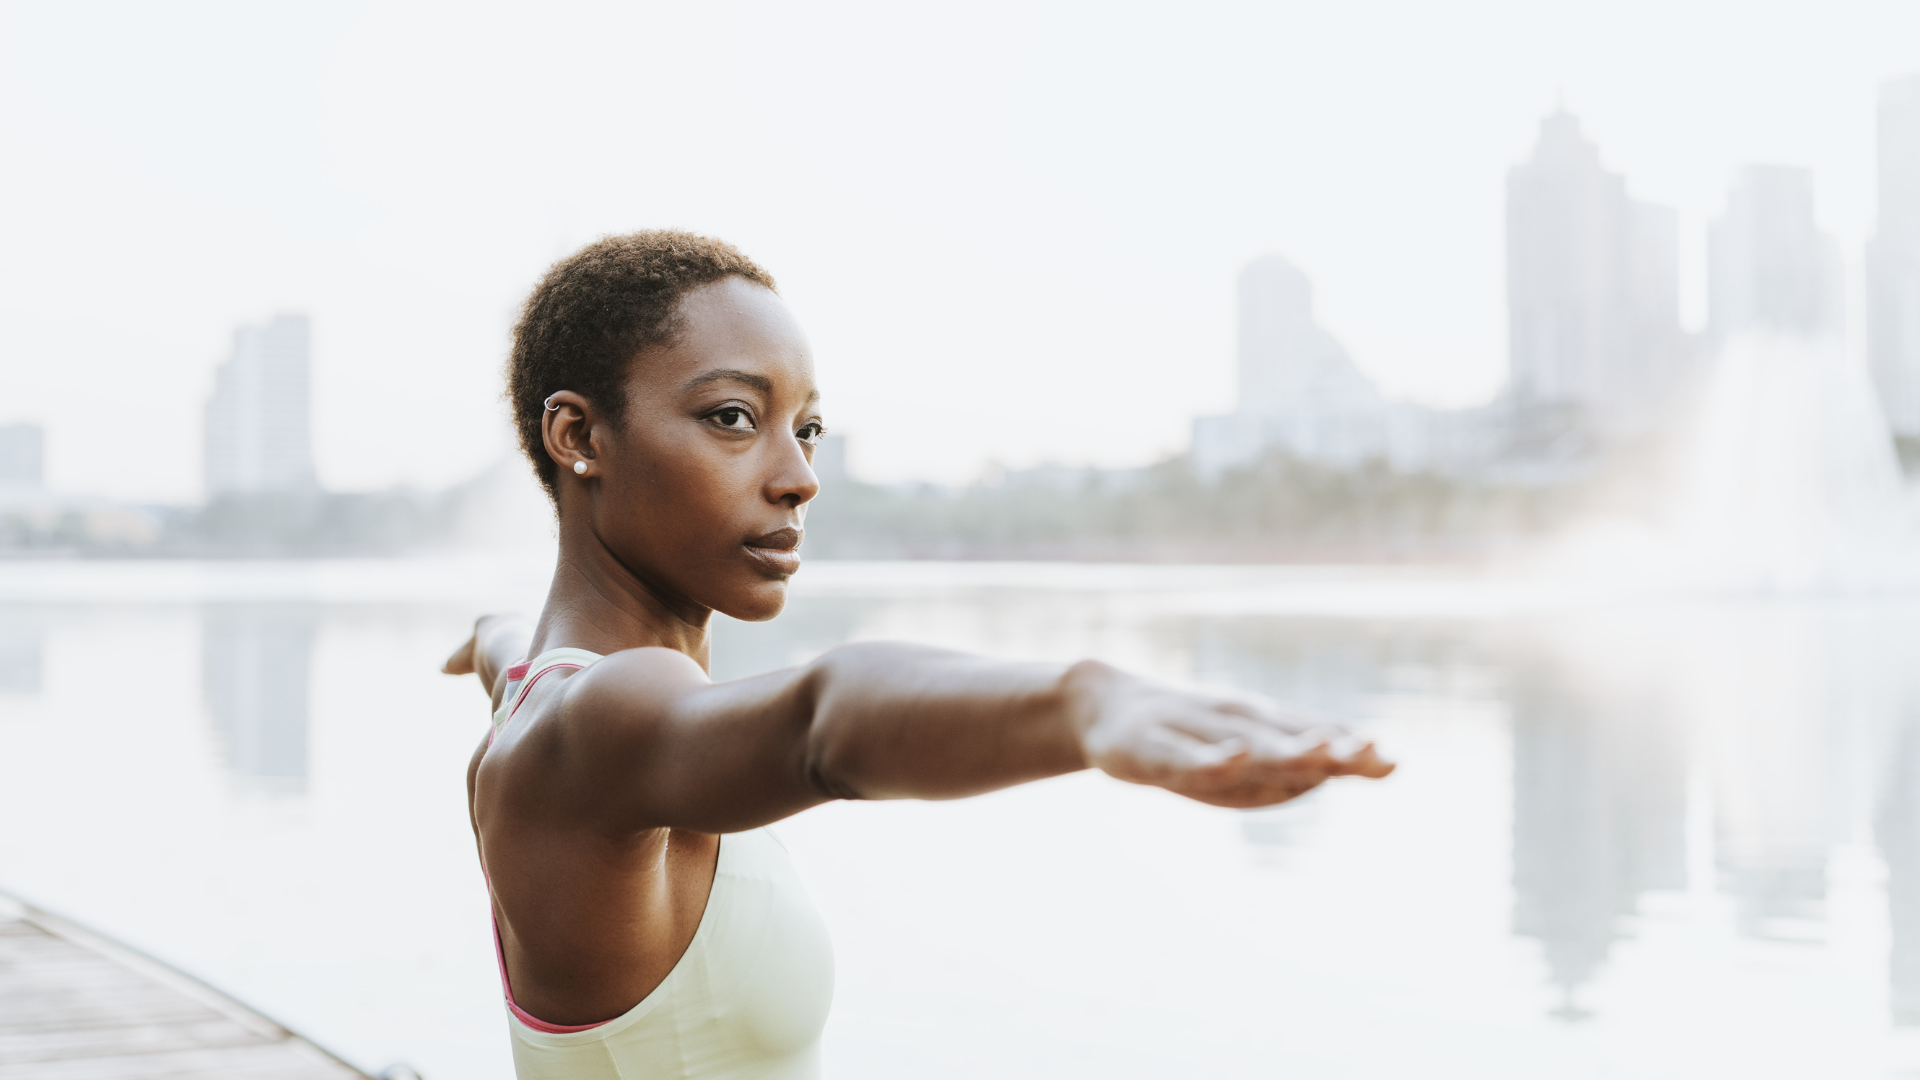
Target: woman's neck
(599, 604)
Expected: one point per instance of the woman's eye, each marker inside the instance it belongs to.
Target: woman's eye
(812, 433)
(734, 419)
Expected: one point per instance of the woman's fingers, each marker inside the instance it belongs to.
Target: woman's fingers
(1365, 761)
(1225, 749)
(1346, 754)
(1266, 767)
(461, 662)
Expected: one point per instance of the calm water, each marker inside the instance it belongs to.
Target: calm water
(1629, 838)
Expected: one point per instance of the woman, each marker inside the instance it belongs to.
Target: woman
(647, 924)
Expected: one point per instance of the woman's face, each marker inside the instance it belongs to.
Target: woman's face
(702, 492)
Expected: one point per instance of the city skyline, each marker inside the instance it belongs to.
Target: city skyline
(1598, 361)
(1072, 214)
(1595, 352)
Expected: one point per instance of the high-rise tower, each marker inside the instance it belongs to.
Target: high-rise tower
(1299, 390)
(1893, 259)
(1592, 288)
(1769, 267)
(257, 428)
(1287, 362)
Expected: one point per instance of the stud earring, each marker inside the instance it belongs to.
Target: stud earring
(580, 467)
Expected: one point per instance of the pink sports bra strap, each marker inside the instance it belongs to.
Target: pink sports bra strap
(520, 696)
(522, 676)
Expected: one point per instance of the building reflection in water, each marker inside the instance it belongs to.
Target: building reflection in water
(256, 662)
(1795, 727)
(1599, 817)
(1895, 695)
(1878, 684)
(1898, 832)
(1766, 697)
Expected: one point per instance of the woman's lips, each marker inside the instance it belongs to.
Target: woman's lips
(777, 551)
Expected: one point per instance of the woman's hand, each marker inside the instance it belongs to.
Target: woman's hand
(1227, 750)
(462, 660)
(496, 642)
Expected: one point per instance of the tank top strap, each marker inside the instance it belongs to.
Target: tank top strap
(522, 676)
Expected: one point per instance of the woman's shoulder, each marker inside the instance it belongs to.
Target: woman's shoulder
(649, 669)
(575, 715)
(630, 686)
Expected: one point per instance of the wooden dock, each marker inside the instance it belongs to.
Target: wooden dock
(75, 1006)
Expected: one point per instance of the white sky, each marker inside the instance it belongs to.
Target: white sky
(1011, 228)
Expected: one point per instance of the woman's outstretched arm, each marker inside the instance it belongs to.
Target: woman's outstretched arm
(498, 642)
(642, 739)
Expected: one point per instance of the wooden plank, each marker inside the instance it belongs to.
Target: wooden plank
(123, 1004)
(289, 1060)
(121, 1039)
(75, 1006)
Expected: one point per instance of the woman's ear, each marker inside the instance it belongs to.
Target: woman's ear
(567, 431)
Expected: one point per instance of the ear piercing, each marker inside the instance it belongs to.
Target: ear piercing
(580, 467)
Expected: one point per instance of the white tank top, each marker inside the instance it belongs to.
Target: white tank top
(748, 999)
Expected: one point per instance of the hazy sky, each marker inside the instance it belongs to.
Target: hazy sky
(1010, 229)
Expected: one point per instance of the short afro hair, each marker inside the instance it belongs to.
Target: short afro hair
(596, 310)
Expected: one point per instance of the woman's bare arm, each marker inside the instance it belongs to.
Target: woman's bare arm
(497, 643)
(642, 739)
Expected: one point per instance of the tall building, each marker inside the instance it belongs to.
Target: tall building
(1893, 259)
(1299, 390)
(22, 456)
(1593, 295)
(257, 427)
(1769, 267)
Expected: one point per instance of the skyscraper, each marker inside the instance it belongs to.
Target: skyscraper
(1592, 288)
(257, 429)
(1299, 390)
(1769, 267)
(1893, 259)
(1284, 355)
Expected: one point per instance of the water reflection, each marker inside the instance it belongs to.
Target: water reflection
(1665, 819)
(1724, 749)
(1778, 707)
(256, 661)
(1898, 833)
(1771, 709)
(1599, 817)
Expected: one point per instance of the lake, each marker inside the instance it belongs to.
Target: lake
(1632, 835)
